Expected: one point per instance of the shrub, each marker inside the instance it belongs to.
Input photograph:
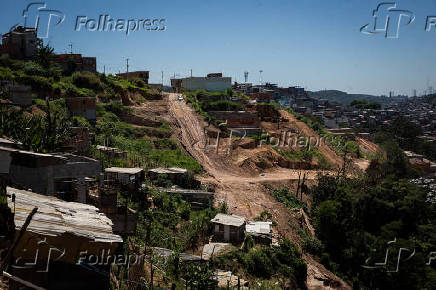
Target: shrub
(87, 80)
(258, 263)
(223, 208)
(116, 107)
(312, 245)
(221, 106)
(32, 68)
(285, 196)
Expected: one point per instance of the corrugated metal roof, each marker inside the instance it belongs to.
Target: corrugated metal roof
(124, 170)
(56, 217)
(168, 170)
(231, 220)
(258, 227)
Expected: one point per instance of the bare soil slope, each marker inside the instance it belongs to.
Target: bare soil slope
(244, 190)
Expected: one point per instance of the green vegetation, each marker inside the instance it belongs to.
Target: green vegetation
(87, 80)
(47, 78)
(285, 196)
(162, 152)
(363, 104)
(406, 134)
(47, 129)
(221, 106)
(314, 122)
(202, 102)
(339, 143)
(172, 223)
(356, 218)
(44, 132)
(306, 155)
(283, 261)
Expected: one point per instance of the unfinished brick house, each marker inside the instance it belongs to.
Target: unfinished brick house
(58, 174)
(82, 107)
(236, 119)
(20, 43)
(79, 141)
(241, 122)
(76, 62)
(142, 75)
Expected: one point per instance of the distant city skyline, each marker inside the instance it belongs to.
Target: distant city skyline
(313, 44)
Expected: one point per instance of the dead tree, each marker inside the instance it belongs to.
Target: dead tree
(298, 184)
(303, 186)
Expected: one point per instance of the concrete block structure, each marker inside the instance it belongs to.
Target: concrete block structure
(236, 119)
(59, 174)
(260, 231)
(20, 95)
(211, 83)
(142, 75)
(20, 43)
(124, 176)
(82, 107)
(240, 122)
(229, 228)
(76, 62)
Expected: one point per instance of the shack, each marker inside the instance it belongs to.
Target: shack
(112, 152)
(56, 174)
(174, 174)
(260, 231)
(228, 228)
(60, 240)
(125, 176)
(198, 199)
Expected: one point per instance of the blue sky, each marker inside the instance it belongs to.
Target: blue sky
(314, 44)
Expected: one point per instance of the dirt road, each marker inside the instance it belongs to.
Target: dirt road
(244, 193)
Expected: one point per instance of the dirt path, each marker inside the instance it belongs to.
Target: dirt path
(332, 157)
(244, 193)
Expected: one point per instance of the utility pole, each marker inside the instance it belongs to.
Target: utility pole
(71, 48)
(104, 70)
(162, 78)
(191, 73)
(127, 68)
(260, 76)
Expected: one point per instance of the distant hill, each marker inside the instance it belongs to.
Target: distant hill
(346, 98)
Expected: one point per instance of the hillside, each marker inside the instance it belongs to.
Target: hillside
(247, 194)
(345, 98)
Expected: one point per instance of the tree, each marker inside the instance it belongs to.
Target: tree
(44, 55)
